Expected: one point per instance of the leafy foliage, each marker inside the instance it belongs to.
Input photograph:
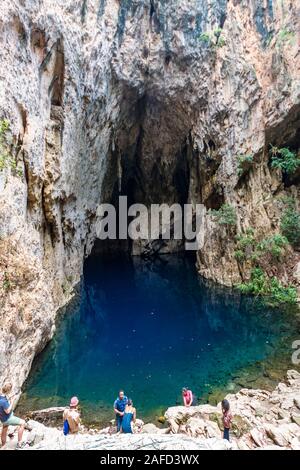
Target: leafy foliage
(284, 159)
(244, 163)
(226, 215)
(221, 42)
(4, 156)
(239, 255)
(245, 244)
(205, 37)
(285, 36)
(213, 38)
(249, 248)
(290, 223)
(274, 245)
(6, 284)
(6, 160)
(276, 293)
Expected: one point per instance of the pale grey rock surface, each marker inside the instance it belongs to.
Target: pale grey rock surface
(45, 438)
(261, 418)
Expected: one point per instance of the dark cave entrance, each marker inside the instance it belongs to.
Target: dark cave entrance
(131, 186)
(149, 165)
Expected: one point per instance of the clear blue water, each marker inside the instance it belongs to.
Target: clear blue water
(151, 329)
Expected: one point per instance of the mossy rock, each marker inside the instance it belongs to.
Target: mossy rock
(161, 419)
(216, 395)
(239, 426)
(260, 412)
(217, 418)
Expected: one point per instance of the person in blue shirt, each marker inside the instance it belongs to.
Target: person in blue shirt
(128, 418)
(7, 416)
(119, 408)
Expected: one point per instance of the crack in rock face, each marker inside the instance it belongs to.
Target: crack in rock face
(155, 100)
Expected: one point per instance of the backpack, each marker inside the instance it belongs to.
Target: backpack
(66, 428)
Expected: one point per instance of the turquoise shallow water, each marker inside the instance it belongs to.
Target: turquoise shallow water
(151, 328)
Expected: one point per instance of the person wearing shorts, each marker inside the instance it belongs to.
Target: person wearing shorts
(7, 416)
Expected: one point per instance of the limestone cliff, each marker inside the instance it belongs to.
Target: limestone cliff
(153, 99)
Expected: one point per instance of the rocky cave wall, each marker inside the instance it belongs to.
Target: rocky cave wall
(154, 99)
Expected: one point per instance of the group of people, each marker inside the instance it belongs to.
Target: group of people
(124, 411)
(123, 408)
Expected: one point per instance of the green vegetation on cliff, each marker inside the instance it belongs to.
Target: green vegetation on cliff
(213, 38)
(6, 160)
(290, 222)
(249, 248)
(271, 288)
(285, 36)
(260, 254)
(245, 162)
(226, 215)
(284, 159)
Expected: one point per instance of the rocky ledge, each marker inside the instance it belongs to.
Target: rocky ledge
(262, 420)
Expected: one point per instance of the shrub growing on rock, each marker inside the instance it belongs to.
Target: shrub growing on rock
(260, 284)
(205, 37)
(245, 162)
(6, 160)
(4, 156)
(274, 245)
(226, 215)
(284, 159)
(249, 248)
(290, 223)
(213, 38)
(245, 244)
(285, 36)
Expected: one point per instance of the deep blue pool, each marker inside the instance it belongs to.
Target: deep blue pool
(151, 328)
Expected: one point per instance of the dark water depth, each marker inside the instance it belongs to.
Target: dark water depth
(151, 329)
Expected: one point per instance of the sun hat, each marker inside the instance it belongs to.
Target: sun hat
(74, 401)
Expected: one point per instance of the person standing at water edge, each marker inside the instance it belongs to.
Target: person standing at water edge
(72, 416)
(128, 418)
(7, 416)
(227, 418)
(188, 397)
(119, 408)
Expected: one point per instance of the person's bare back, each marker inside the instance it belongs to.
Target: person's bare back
(73, 418)
(72, 415)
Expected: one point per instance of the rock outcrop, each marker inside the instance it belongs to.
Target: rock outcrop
(154, 100)
(44, 438)
(262, 419)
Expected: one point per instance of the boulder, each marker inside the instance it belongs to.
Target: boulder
(296, 418)
(297, 401)
(283, 414)
(198, 427)
(295, 443)
(150, 428)
(137, 426)
(283, 434)
(48, 416)
(258, 437)
(293, 375)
